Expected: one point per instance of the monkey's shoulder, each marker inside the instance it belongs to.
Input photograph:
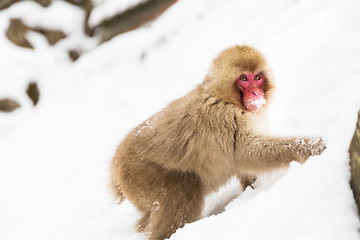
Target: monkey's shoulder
(189, 116)
(200, 113)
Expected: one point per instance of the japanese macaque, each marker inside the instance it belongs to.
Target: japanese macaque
(168, 164)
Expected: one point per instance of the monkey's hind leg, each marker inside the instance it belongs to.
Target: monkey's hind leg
(116, 190)
(143, 222)
(183, 203)
(246, 180)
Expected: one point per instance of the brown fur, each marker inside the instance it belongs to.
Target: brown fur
(169, 163)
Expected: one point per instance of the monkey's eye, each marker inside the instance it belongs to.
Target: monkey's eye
(243, 78)
(257, 77)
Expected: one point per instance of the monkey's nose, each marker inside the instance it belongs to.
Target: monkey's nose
(254, 93)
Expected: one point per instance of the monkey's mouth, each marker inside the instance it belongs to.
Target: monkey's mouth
(258, 103)
(254, 102)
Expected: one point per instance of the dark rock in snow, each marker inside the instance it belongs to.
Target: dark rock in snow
(7, 3)
(132, 18)
(52, 36)
(355, 163)
(17, 30)
(74, 54)
(8, 105)
(44, 3)
(33, 92)
(16, 33)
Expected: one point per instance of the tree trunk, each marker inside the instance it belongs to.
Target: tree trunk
(355, 163)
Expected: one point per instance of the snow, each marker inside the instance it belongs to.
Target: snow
(55, 157)
(258, 103)
(147, 124)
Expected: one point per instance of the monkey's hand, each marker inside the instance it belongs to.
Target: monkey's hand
(310, 146)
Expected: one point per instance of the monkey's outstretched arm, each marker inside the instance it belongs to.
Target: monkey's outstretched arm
(265, 153)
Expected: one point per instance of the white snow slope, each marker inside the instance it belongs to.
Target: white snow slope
(54, 158)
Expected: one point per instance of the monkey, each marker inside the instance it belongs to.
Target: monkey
(168, 164)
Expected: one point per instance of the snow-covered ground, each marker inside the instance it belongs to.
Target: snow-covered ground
(54, 158)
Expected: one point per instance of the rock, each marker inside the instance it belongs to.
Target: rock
(8, 105)
(7, 3)
(52, 36)
(17, 30)
(74, 55)
(16, 33)
(44, 3)
(33, 92)
(355, 163)
(132, 18)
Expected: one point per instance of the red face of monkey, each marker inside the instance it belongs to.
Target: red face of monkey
(252, 88)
